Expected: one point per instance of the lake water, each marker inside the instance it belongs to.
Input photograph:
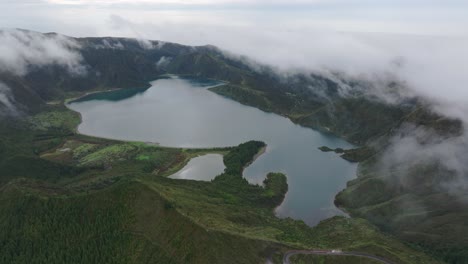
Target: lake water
(203, 168)
(184, 113)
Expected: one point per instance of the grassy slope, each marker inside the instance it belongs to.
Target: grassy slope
(311, 259)
(125, 223)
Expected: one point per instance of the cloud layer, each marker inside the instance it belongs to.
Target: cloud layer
(433, 67)
(7, 102)
(420, 157)
(21, 50)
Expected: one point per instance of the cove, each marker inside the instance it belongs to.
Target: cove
(180, 112)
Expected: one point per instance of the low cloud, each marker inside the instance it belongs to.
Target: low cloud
(432, 67)
(22, 50)
(7, 102)
(109, 44)
(421, 158)
(120, 24)
(163, 62)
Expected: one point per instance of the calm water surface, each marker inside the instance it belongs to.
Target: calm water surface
(203, 168)
(183, 113)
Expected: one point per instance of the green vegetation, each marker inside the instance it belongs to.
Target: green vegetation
(59, 119)
(276, 187)
(125, 223)
(42, 229)
(245, 96)
(412, 207)
(114, 95)
(428, 219)
(312, 259)
(68, 198)
(326, 149)
(238, 158)
(351, 155)
(358, 154)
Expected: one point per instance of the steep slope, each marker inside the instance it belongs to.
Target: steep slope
(112, 226)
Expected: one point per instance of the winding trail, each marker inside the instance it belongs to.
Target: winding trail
(291, 253)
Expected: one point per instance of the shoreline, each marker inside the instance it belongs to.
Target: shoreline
(71, 99)
(216, 149)
(65, 102)
(260, 152)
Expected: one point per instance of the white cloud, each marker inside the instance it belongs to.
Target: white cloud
(186, 2)
(430, 65)
(120, 24)
(109, 44)
(7, 102)
(20, 50)
(417, 153)
(163, 62)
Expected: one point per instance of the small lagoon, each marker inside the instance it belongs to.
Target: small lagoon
(203, 168)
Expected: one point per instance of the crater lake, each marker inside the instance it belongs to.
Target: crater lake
(182, 112)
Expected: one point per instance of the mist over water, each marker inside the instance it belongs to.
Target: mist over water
(182, 113)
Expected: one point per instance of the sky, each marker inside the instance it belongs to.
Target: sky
(93, 17)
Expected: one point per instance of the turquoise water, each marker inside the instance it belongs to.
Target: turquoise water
(183, 113)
